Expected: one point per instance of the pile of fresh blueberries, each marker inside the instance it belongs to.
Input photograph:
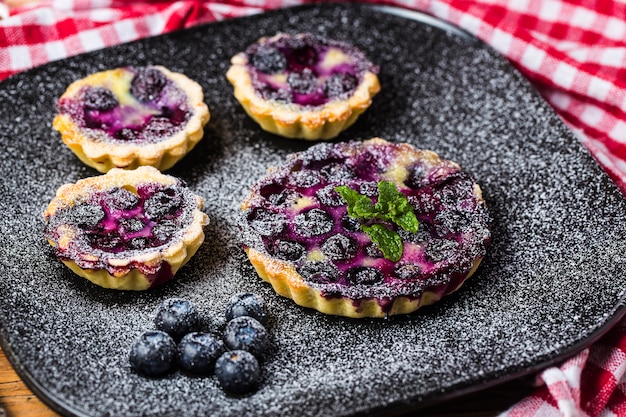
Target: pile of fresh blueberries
(234, 358)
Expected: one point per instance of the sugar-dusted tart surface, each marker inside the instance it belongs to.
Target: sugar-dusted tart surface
(303, 86)
(127, 229)
(299, 235)
(132, 116)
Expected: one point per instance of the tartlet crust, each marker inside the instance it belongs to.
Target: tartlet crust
(105, 155)
(286, 281)
(295, 121)
(136, 271)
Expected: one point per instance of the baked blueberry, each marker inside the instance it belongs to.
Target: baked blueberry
(364, 276)
(268, 59)
(238, 371)
(246, 304)
(99, 98)
(320, 272)
(266, 222)
(314, 222)
(197, 352)
(153, 353)
(148, 84)
(339, 247)
(286, 249)
(338, 85)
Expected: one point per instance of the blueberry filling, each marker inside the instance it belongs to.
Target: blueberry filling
(305, 69)
(118, 220)
(150, 111)
(300, 218)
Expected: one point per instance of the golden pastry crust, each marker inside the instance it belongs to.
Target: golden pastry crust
(136, 269)
(290, 120)
(97, 151)
(287, 282)
(421, 175)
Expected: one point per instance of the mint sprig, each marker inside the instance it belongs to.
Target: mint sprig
(392, 206)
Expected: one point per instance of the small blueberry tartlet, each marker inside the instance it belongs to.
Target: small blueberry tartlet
(132, 116)
(128, 229)
(303, 86)
(365, 229)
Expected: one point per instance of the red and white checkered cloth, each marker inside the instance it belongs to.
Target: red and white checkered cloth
(573, 51)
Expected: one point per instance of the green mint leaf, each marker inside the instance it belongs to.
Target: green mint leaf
(408, 222)
(359, 206)
(391, 203)
(388, 241)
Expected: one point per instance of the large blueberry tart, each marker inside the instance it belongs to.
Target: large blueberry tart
(128, 229)
(365, 229)
(303, 86)
(132, 116)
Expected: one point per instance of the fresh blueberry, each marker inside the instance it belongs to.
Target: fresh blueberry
(238, 371)
(246, 304)
(246, 333)
(266, 222)
(269, 60)
(148, 84)
(304, 82)
(338, 85)
(339, 247)
(153, 353)
(364, 276)
(197, 352)
(320, 272)
(99, 98)
(314, 222)
(162, 203)
(177, 317)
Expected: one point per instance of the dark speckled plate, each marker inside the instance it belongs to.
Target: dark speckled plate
(552, 282)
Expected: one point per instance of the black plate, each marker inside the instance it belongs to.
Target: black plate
(553, 279)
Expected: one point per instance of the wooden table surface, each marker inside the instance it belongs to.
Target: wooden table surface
(18, 401)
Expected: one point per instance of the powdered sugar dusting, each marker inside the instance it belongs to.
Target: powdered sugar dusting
(553, 276)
